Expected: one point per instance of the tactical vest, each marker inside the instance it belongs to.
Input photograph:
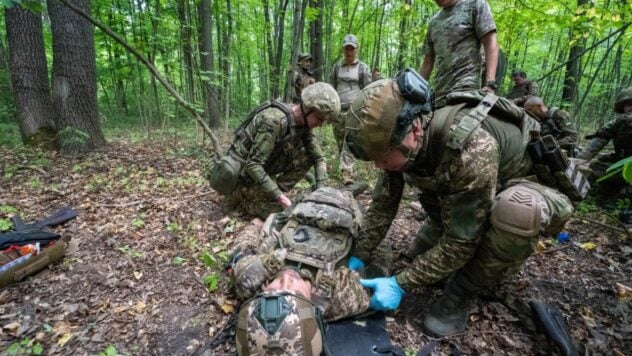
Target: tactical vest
(348, 85)
(319, 234)
(622, 136)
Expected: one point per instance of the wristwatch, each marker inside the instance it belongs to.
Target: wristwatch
(491, 84)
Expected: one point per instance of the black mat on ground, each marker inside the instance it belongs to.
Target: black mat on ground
(364, 336)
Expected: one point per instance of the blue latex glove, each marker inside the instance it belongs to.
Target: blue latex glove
(355, 264)
(387, 293)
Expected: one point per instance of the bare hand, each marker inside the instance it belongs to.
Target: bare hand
(284, 201)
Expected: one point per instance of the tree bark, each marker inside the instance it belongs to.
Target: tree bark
(74, 79)
(278, 34)
(299, 25)
(187, 51)
(316, 39)
(573, 68)
(29, 73)
(211, 101)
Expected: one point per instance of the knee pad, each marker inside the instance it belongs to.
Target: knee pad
(518, 210)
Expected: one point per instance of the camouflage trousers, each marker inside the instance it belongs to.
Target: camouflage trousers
(251, 199)
(346, 159)
(504, 248)
(347, 297)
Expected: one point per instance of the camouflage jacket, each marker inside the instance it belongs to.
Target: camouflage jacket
(453, 38)
(349, 88)
(271, 135)
(559, 124)
(519, 93)
(301, 79)
(457, 187)
(619, 131)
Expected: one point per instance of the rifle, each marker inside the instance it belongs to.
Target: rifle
(25, 237)
(552, 321)
(57, 218)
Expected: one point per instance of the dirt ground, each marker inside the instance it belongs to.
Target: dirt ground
(152, 238)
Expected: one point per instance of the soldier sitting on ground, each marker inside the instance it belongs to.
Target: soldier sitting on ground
(555, 122)
(292, 271)
(273, 150)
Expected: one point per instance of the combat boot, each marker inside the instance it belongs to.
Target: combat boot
(449, 315)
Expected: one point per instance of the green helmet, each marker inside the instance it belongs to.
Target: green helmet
(322, 97)
(373, 126)
(279, 324)
(625, 96)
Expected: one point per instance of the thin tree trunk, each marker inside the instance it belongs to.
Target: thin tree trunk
(29, 73)
(187, 51)
(299, 24)
(573, 68)
(316, 40)
(211, 102)
(278, 34)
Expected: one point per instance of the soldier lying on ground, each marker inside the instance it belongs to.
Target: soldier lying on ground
(273, 150)
(294, 269)
(484, 215)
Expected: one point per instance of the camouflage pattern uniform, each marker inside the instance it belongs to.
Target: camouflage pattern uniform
(301, 79)
(340, 297)
(454, 38)
(472, 196)
(558, 123)
(520, 93)
(619, 131)
(348, 81)
(277, 155)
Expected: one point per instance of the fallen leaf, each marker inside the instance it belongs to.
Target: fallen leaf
(140, 306)
(13, 329)
(228, 308)
(588, 245)
(624, 293)
(540, 247)
(64, 339)
(138, 275)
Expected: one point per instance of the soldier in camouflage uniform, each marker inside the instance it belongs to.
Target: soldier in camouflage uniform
(453, 46)
(303, 76)
(348, 76)
(619, 131)
(553, 121)
(277, 148)
(484, 216)
(302, 252)
(522, 88)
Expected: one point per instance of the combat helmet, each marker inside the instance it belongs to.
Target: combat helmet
(625, 96)
(304, 56)
(322, 97)
(373, 125)
(279, 324)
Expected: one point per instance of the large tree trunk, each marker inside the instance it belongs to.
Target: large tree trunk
(29, 74)
(211, 102)
(316, 40)
(74, 79)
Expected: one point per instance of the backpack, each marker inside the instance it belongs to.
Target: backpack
(320, 229)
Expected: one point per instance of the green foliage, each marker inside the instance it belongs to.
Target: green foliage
(178, 261)
(26, 346)
(5, 224)
(585, 207)
(109, 351)
(72, 137)
(174, 227)
(211, 281)
(130, 251)
(7, 209)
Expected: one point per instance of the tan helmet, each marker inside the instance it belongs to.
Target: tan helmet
(371, 126)
(624, 96)
(279, 324)
(322, 97)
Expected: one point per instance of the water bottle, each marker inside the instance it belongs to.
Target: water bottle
(563, 237)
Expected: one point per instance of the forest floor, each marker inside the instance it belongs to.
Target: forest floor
(152, 239)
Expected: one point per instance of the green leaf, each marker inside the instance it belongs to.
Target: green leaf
(7, 209)
(177, 261)
(209, 260)
(37, 349)
(5, 224)
(211, 281)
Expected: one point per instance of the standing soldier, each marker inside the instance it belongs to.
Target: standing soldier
(619, 131)
(484, 218)
(273, 149)
(555, 122)
(453, 46)
(303, 76)
(348, 76)
(522, 88)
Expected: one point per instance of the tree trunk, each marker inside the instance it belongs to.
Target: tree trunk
(74, 79)
(316, 40)
(211, 102)
(278, 34)
(403, 28)
(573, 68)
(187, 51)
(29, 73)
(299, 24)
